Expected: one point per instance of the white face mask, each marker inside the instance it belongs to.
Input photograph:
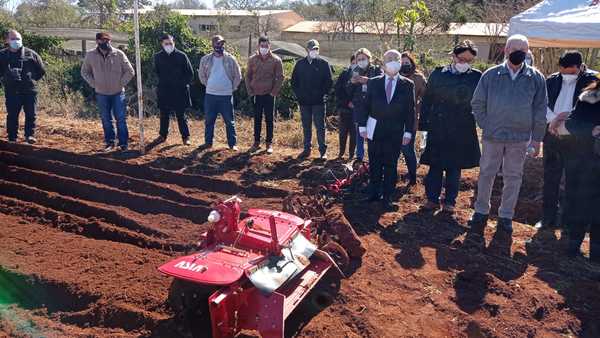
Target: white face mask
(313, 53)
(393, 67)
(462, 67)
(263, 51)
(363, 64)
(169, 48)
(569, 77)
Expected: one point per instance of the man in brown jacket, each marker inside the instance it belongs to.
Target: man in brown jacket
(263, 82)
(107, 70)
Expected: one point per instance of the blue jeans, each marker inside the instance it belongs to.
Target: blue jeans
(410, 157)
(213, 105)
(360, 145)
(316, 113)
(113, 105)
(433, 184)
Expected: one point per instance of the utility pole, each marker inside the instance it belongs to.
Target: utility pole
(138, 71)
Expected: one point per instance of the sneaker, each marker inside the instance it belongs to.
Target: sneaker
(123, 147)
(109, 148)
(478, 220)
(30, 140)
(254, 147)
(448, 208)
(12, 140)
(323, 157)
(505, 224)
(304, 154)
(430, 206)
(269, 148)
(234, 148)
(187, 142)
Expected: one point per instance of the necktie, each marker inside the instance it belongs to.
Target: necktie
(388, 89)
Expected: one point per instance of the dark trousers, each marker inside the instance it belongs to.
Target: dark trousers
(347, 131)
(14, 104)
(434, 181)
(316, 114)
(555, 154)
(263, 104)
(410, 157)
(165, 119)
(383, 165)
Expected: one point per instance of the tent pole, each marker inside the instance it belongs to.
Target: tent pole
(138, 71)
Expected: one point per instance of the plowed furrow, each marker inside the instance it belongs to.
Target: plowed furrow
(91, 191)
(89, 174)
(144, 172)
(75, 207)
(89, 283)
(91, 228)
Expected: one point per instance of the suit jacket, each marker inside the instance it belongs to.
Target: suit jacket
(394, 118)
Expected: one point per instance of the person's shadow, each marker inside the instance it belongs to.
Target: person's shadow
(575, 279)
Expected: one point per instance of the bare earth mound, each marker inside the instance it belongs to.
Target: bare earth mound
(81, 236)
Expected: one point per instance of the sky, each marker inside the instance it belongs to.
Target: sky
(12, 4)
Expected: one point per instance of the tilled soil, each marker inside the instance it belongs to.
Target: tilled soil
(82, 234)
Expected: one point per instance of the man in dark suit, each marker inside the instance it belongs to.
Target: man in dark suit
(564, 89)
(387, 120)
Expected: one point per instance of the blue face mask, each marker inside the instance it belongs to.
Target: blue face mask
(16, 44)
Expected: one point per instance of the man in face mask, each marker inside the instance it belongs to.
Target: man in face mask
(20, 69)
(311, 82)
(175, 73)
(387, 117)
(564, 88)
(509, 105)
(221, 74)
(107, 70)
(264, 78)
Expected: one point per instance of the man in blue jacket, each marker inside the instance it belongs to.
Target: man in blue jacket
(509, 104)
(311, 82)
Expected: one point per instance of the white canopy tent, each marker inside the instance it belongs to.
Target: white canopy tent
(560, 24)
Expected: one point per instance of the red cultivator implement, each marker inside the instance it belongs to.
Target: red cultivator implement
(356, 174)
(251, 274)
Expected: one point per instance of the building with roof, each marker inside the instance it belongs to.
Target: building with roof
(235, 23)
(377, 36)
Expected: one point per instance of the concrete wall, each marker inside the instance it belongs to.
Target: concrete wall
(334, 45)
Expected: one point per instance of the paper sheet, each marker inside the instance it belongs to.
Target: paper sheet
(371, 124)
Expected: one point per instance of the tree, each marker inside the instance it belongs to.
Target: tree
(348, 14)
(105, 13)
(48, 13)
(385, 26)
(410, 18)
(188, 4)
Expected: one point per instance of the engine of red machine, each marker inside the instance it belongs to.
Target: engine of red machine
(249, 273)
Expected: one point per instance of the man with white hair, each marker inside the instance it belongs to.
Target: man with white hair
(509, 105)
(387, 120)
(20, 69)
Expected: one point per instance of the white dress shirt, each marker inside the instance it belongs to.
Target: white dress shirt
(394, 82)
(564, 101)
(514, 74)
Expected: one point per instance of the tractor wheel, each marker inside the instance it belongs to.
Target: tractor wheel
(338, 253)
(189, 302)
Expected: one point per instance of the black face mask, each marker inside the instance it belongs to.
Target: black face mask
(406, 69)
(517, 57)
(104, 46)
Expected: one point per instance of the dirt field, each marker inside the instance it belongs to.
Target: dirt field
(82, 233)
